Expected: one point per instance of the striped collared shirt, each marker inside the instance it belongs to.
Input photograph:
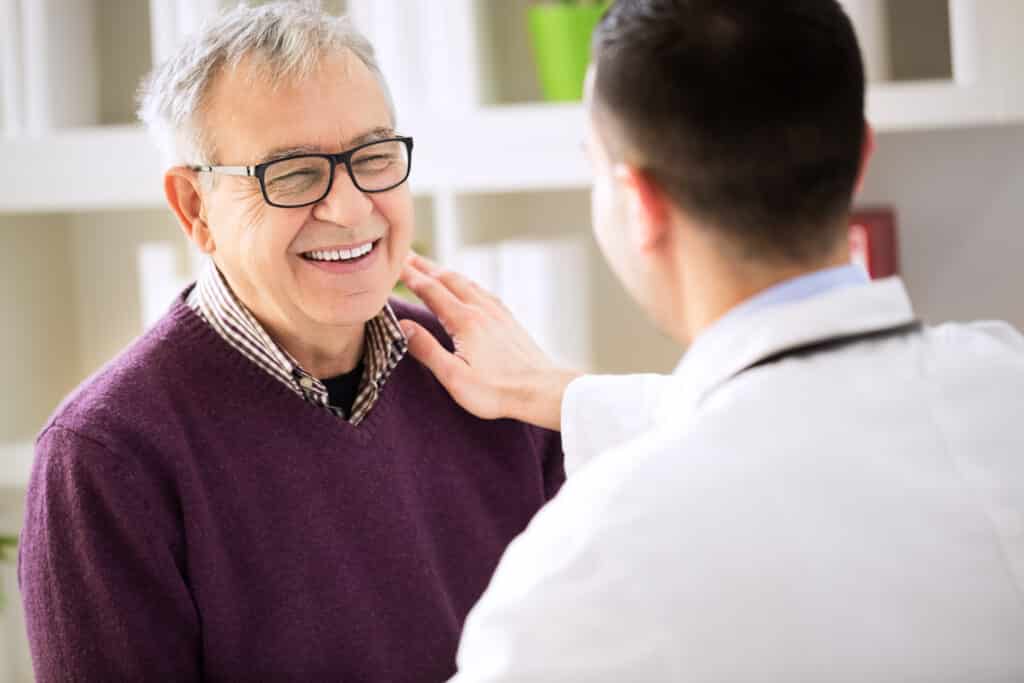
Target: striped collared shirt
(385, 345)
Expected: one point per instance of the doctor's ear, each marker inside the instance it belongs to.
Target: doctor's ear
(647, 204)
(183, 192)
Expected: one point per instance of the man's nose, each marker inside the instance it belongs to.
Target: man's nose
(345, 204)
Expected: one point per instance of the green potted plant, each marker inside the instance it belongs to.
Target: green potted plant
(7, 546)
(560, 32)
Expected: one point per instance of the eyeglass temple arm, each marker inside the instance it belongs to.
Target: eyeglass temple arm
(226, 170)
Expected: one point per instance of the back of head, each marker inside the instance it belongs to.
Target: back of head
(748, 113)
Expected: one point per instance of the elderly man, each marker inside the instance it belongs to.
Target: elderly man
(264, 486)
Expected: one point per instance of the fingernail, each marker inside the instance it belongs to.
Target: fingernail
(408, 328)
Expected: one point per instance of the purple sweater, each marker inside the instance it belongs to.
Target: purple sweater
(190, 518)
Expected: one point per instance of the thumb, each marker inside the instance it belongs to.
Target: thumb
(428, 351)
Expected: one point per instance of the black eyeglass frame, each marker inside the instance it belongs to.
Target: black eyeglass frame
(259, 170)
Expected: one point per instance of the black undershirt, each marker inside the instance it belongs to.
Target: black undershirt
(342, 389)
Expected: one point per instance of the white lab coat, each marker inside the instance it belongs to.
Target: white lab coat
(855, 514)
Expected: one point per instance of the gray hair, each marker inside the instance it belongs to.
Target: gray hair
(289, 37)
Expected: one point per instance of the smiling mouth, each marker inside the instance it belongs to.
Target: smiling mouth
(350, 255)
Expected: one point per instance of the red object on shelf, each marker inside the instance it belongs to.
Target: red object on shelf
(873, 241)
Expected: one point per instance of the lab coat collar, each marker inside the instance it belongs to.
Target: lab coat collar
(723, 352)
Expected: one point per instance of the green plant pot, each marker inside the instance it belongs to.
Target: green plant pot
(560, 35)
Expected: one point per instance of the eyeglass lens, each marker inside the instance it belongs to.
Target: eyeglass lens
(302, 180)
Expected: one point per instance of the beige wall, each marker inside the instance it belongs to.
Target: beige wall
(960, 198)
(104, 248)
(38, 338)
(70, 299)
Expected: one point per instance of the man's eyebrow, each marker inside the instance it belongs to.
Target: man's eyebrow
(375, 134)
(282, 152)
(291, 150)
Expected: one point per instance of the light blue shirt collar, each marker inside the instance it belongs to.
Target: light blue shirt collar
(800, 288)
(789, 291)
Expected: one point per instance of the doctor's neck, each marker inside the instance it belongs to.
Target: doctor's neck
(713, 278)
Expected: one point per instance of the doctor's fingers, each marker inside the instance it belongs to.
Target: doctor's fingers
(454, 373)
(459, 318)
(438, 298)
(465, 289)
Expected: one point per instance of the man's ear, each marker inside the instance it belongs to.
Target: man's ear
(865, 156)
(181, 186)
(648, 207)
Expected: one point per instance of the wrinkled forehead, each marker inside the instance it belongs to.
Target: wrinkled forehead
(250, 116)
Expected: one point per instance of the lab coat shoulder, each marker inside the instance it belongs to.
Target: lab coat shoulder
(600, 412)
(990, 340)
(582, 596)
(556, 607)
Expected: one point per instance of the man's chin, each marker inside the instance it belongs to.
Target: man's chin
(351, 309)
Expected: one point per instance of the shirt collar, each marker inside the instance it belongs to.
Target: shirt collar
(795, 289)
(385, 344)
(802, 316)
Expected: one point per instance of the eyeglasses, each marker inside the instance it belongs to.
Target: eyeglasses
(304, 179)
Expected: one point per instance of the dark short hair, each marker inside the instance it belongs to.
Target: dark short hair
(748, 113)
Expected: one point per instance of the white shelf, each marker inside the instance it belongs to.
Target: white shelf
(99, 168)
(15, 465)
(102, 167)
(500, 149)
(929, 105)
(515, 148)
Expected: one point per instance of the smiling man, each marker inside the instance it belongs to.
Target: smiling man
(264, 486)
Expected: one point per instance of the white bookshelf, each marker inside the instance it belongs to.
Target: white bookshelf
(490, 159)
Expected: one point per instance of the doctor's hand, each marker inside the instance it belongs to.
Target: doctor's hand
(497, 370)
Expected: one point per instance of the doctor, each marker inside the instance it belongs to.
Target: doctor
(824, 490)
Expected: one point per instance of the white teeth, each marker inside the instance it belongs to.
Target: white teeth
(340, 254)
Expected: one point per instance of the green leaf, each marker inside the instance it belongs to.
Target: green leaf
(7, 544)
